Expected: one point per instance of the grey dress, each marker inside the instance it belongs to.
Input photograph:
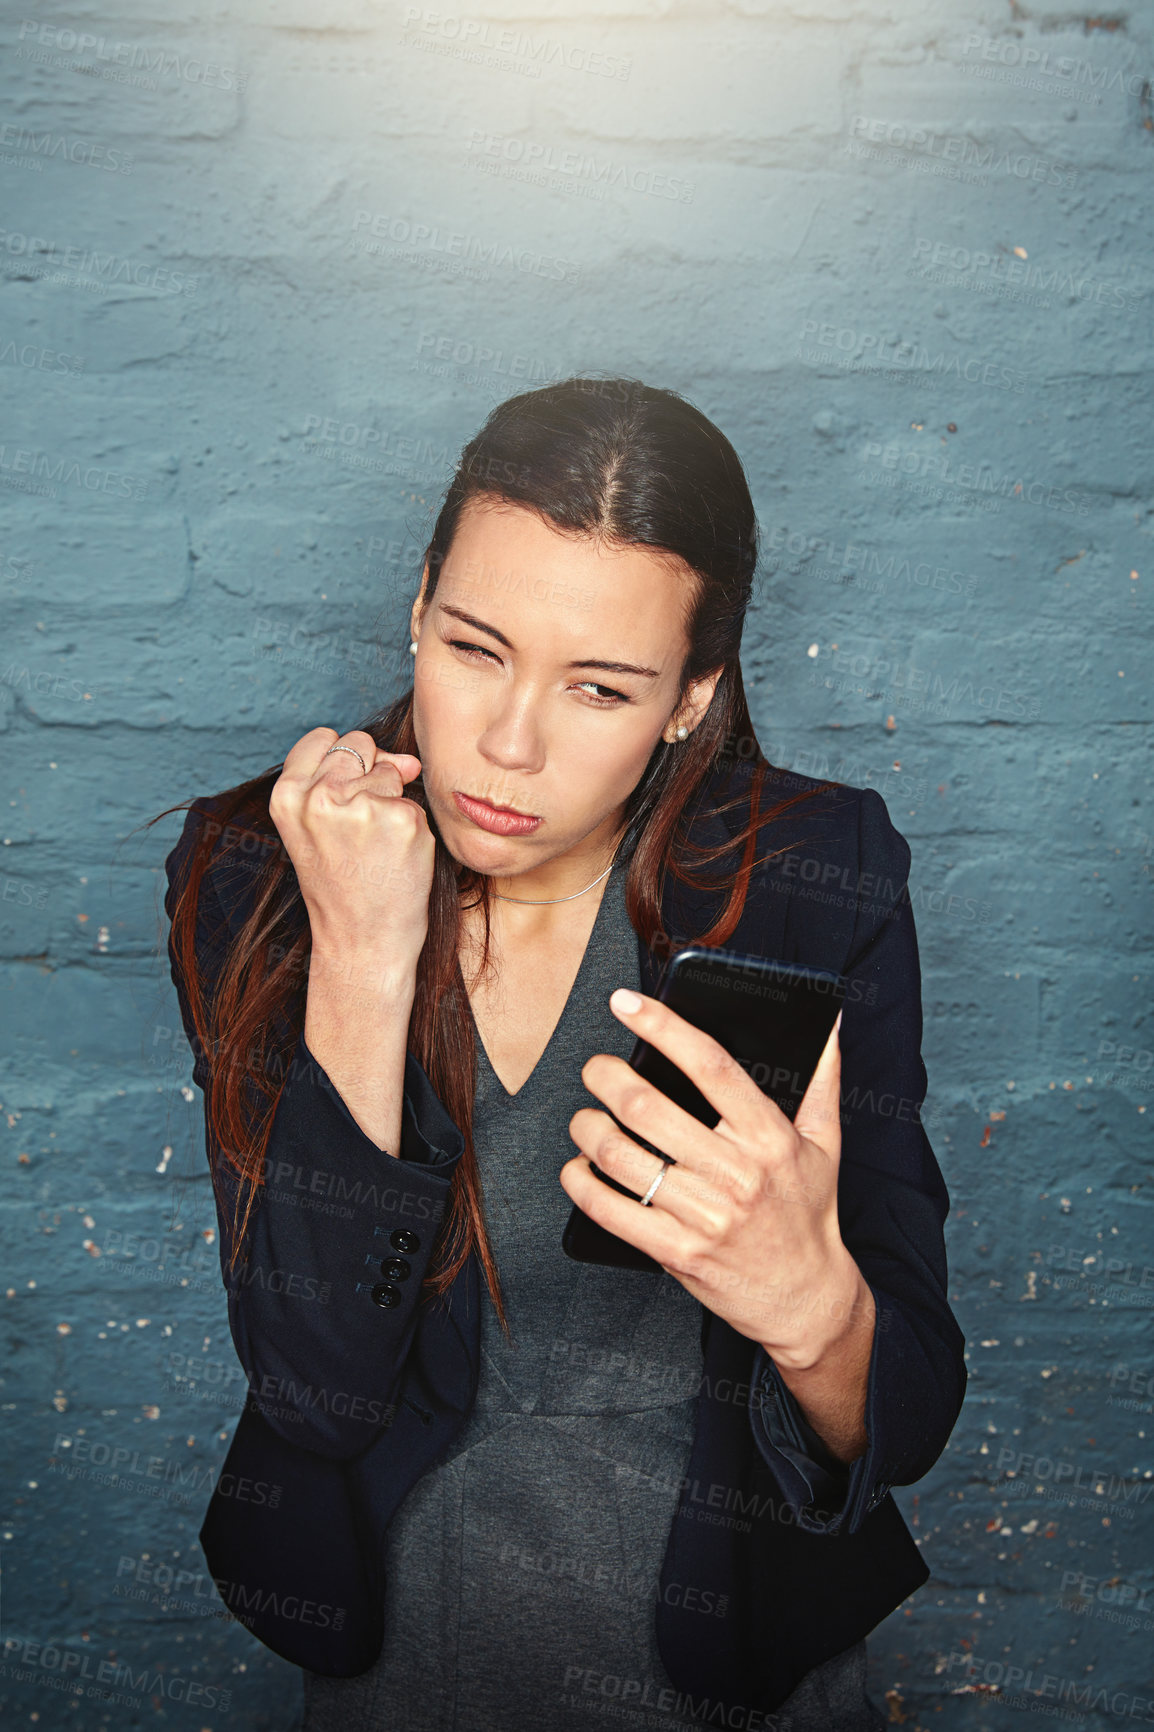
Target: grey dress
(522, 1570)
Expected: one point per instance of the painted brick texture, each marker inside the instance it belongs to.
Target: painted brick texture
(265, 268)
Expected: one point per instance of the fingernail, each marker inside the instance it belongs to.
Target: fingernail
(623, 1001)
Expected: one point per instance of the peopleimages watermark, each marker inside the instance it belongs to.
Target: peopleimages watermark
(1008, 60)
(567, 170)
(293, 1183)
(873, 352)
(104, 1678)
(41, 472)
(1035, 1688)
(1010, 276)
(1073, 1484)
(295, 643)
(18, 572)
(875, 890)
(924, 688)
(122, 1468)
(392, 554)
(43, 684)
(892, 782)
(452, 249)
(1118, 1602)
(384, 451)
(222, 1383)
(87, 268)
(225, 1384)
(1099, 1277)
(869, 568)
(171, 1589)
(482, 41)
(351, 442)
(554, 1566)
(20, 147)
(956, 157)
(481, 575)
(1134, 1065)
(38, 359)
(1117, 1269)
(20, 891)
(1140, 1385)
(443, 355)
(939, 472)
(602, 1693)
(167, 1253)
(122, 62)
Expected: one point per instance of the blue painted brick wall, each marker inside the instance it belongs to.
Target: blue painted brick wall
(266, 266)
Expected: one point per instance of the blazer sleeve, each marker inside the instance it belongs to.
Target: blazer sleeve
(323, 1304)
(892, 1206)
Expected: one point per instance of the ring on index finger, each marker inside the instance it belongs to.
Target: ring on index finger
(356, 755)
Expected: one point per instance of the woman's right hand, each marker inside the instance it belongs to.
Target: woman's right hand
(363, 854)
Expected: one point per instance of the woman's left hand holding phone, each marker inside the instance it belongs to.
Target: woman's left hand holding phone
(747, 1218)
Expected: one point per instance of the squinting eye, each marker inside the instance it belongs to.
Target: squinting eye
(609, 701)
(613, 698)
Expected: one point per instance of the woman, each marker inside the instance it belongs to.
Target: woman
(487, 1486)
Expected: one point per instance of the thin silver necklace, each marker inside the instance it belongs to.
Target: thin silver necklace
(539, 901)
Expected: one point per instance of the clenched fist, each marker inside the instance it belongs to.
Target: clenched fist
(363, 853)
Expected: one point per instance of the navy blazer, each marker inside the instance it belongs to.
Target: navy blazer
(358, 1384)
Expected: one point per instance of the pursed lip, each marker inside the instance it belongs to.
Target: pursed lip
(511, 811)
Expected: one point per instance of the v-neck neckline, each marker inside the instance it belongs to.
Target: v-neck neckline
(565, 1008)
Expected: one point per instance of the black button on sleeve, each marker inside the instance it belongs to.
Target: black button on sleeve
(396, 1268)
(385, 1295)
(402, 1239)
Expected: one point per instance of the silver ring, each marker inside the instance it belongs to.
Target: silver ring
(355, 753)
(648, 1197)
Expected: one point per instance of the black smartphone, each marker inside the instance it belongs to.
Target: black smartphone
(774, 1018)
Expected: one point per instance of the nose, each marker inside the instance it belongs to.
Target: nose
(511, 738)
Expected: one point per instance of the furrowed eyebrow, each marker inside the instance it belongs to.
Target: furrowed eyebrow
(617, 668)
(477, 624)
(602, 666)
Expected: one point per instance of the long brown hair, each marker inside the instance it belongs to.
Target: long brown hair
(612, 458)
